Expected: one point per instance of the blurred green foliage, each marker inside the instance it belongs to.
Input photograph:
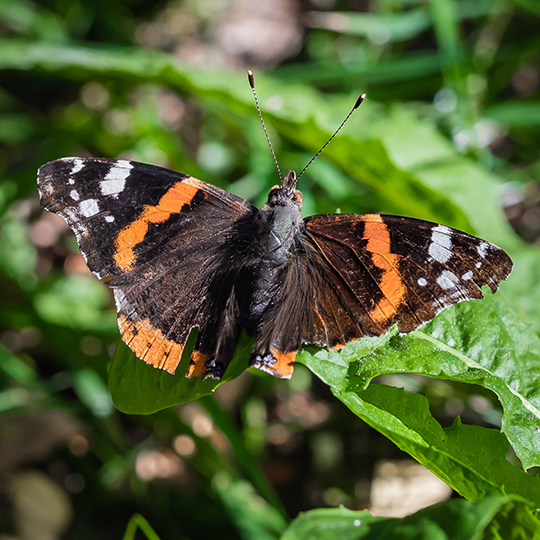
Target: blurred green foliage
(449, 133)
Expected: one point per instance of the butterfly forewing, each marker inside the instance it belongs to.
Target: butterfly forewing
(160, 239)
(404, 271)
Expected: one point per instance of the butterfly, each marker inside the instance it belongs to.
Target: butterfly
(180, 253)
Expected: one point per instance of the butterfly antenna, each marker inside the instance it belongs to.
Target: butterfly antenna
(356, 105)
(252, 84)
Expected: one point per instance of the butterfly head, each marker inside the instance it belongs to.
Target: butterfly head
(286, 194)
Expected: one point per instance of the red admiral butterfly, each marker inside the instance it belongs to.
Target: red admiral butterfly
(180, 253)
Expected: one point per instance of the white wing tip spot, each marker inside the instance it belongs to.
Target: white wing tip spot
(115, 179)
(422, 282)
(78, 165)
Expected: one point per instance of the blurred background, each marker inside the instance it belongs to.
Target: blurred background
(453, 99)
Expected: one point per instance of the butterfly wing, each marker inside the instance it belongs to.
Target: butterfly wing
(164, 241)
(384, 270)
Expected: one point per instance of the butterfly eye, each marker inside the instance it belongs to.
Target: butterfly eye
(298, 198)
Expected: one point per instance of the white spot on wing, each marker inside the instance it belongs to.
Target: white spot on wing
(447, 280)
(422, 282)
(478, 264)
(78, 165)
(441, 244)
(115, 180)
(109, 219)
(89, 208)
(467, 275)
(74, 195)
(482, 249)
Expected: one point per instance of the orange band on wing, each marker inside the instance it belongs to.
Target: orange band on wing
(392, 286)
(150, 344)
(172, 202)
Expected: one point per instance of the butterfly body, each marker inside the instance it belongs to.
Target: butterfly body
(181, 254)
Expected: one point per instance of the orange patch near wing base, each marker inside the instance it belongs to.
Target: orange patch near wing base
(197, 366)
(378, 245)
(284, 366)
(172, 202)
(149, 344)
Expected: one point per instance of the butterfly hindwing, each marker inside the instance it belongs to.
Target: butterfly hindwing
(162, 239)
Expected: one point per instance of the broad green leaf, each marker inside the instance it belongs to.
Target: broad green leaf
(471, 459)
(138, 388)
(494, 518)
(480, 342)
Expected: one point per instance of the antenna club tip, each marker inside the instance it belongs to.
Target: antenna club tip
(250, 78)
(359, 101)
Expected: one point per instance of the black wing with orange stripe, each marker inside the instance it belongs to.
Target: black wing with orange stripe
(167, 244)
(383, 270)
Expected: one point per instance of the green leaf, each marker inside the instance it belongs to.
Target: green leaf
(471, 459)
(515, 113)
(93, 392)
(388, 27)
(138, 388)
(76, 302)
(139, 522)
(475, 342)
(17, 256)
(253, 516)
(494, 518)
(331, 523)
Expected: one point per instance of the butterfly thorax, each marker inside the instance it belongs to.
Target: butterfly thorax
(278, 225)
